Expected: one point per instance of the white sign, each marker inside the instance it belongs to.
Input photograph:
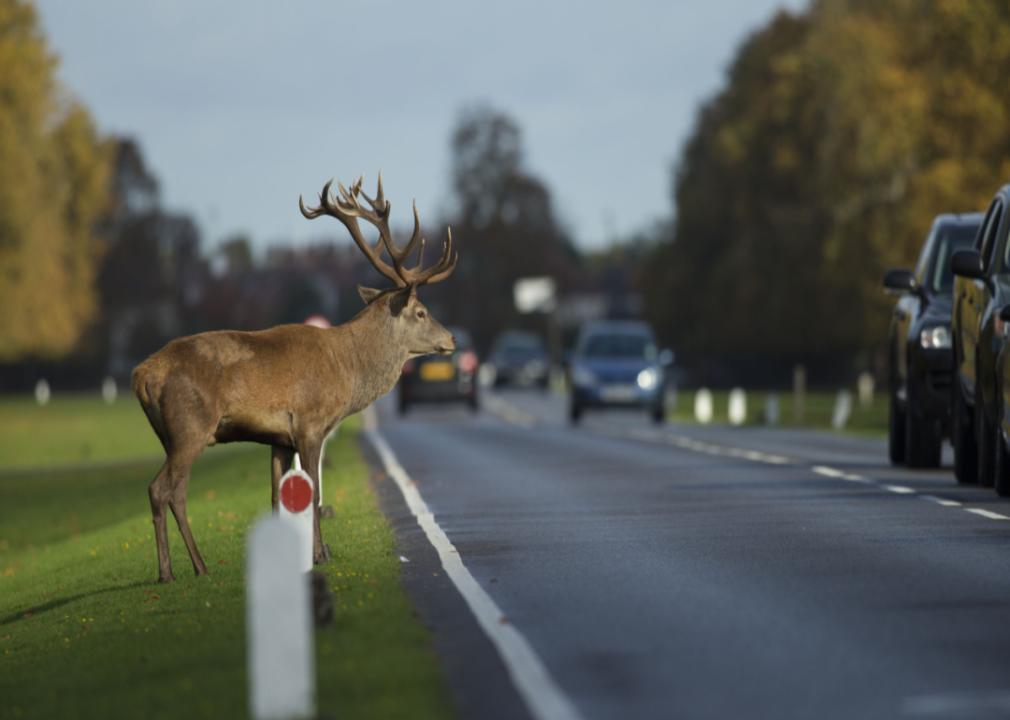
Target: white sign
(281, 653)
(534, 294)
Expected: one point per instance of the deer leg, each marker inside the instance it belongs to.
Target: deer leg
(178, 505)
(281, 459)
(310, 453)
(159, 492)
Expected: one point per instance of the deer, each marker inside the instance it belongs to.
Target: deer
(289, 386)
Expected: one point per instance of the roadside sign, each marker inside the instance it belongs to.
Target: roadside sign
(534, 294)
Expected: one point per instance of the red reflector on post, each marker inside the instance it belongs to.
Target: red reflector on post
(296, 492)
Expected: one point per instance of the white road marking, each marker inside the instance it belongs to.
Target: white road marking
(511, 414)
(534, 683)
(508, 412)
(987, 514)
(899, 489)
(941, 501)
(982, 704)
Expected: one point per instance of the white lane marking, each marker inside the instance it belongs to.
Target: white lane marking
(508, 412)
(899, 489)
(957, 704)
(543, 697)
(518, 417)
(941, 501)
(987, 514)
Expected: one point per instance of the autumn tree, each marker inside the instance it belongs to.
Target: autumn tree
(842, 131)
(53, 190)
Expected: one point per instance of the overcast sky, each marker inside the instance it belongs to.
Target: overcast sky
(239, 107)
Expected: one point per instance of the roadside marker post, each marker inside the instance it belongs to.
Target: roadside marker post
(842, 410)
(772, 409)
(42, 392)
(281, 653)
(703, 406)
(296, 510)
(737, 406)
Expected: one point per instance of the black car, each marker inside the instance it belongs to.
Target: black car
(981, 291)
(436, 378)
(920, 360)
(519, 358)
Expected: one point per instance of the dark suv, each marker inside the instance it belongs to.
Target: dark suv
(981, 290)
(920, 362)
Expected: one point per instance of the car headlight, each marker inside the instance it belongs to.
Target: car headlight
(582, 376)
(648, 378)
(935, 338)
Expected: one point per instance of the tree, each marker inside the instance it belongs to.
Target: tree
(503, 225)
(53, 182)
(841, 133)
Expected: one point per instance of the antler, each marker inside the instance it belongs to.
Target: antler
(347, 210)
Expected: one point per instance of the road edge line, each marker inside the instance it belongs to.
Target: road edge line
(539, 691)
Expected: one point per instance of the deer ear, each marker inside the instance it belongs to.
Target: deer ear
(368, 294)
(399, 299)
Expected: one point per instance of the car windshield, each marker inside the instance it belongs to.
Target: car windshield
(952, 239)
(520, 343)
(620, 345)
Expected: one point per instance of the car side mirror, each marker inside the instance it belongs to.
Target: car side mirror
(967, 263)
(666, 357)
(900, 280)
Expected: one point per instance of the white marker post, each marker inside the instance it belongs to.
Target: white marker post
(842, 411)
(703, 406)
(281, 653)
(737, 406)
(296, 510)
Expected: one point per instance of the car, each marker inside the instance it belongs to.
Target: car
(519, 358)
(920, 362)
(981, 290)
(436, 378)
(617, 364)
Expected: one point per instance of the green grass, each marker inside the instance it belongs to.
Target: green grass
(817, 413)
(86, 633)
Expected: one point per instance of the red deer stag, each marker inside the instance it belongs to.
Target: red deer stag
(291, 385)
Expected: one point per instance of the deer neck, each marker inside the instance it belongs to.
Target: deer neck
(375, 355)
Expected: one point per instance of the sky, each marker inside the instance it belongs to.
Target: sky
(241, 107)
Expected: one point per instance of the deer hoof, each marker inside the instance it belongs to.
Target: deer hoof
(323, 555)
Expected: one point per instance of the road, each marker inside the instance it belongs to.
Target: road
(705, 572)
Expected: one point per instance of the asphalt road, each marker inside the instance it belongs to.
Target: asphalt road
(715, 572)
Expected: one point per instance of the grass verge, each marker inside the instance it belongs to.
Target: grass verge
(86, 633)
(817, 412)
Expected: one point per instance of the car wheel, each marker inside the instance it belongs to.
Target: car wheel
(473, 403)
(658, 414)
(402, 405)
(963, 439)
(1001, 464)
(574, 411)
(984, 434)
(896, 433)
(922, 441)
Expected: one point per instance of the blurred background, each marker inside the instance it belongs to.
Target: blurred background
(739, 174)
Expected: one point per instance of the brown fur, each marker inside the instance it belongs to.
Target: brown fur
(287, 387)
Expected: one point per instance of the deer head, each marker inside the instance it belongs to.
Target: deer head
(408, 319)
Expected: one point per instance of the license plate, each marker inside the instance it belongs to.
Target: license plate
(618, 393)
(437, 371)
